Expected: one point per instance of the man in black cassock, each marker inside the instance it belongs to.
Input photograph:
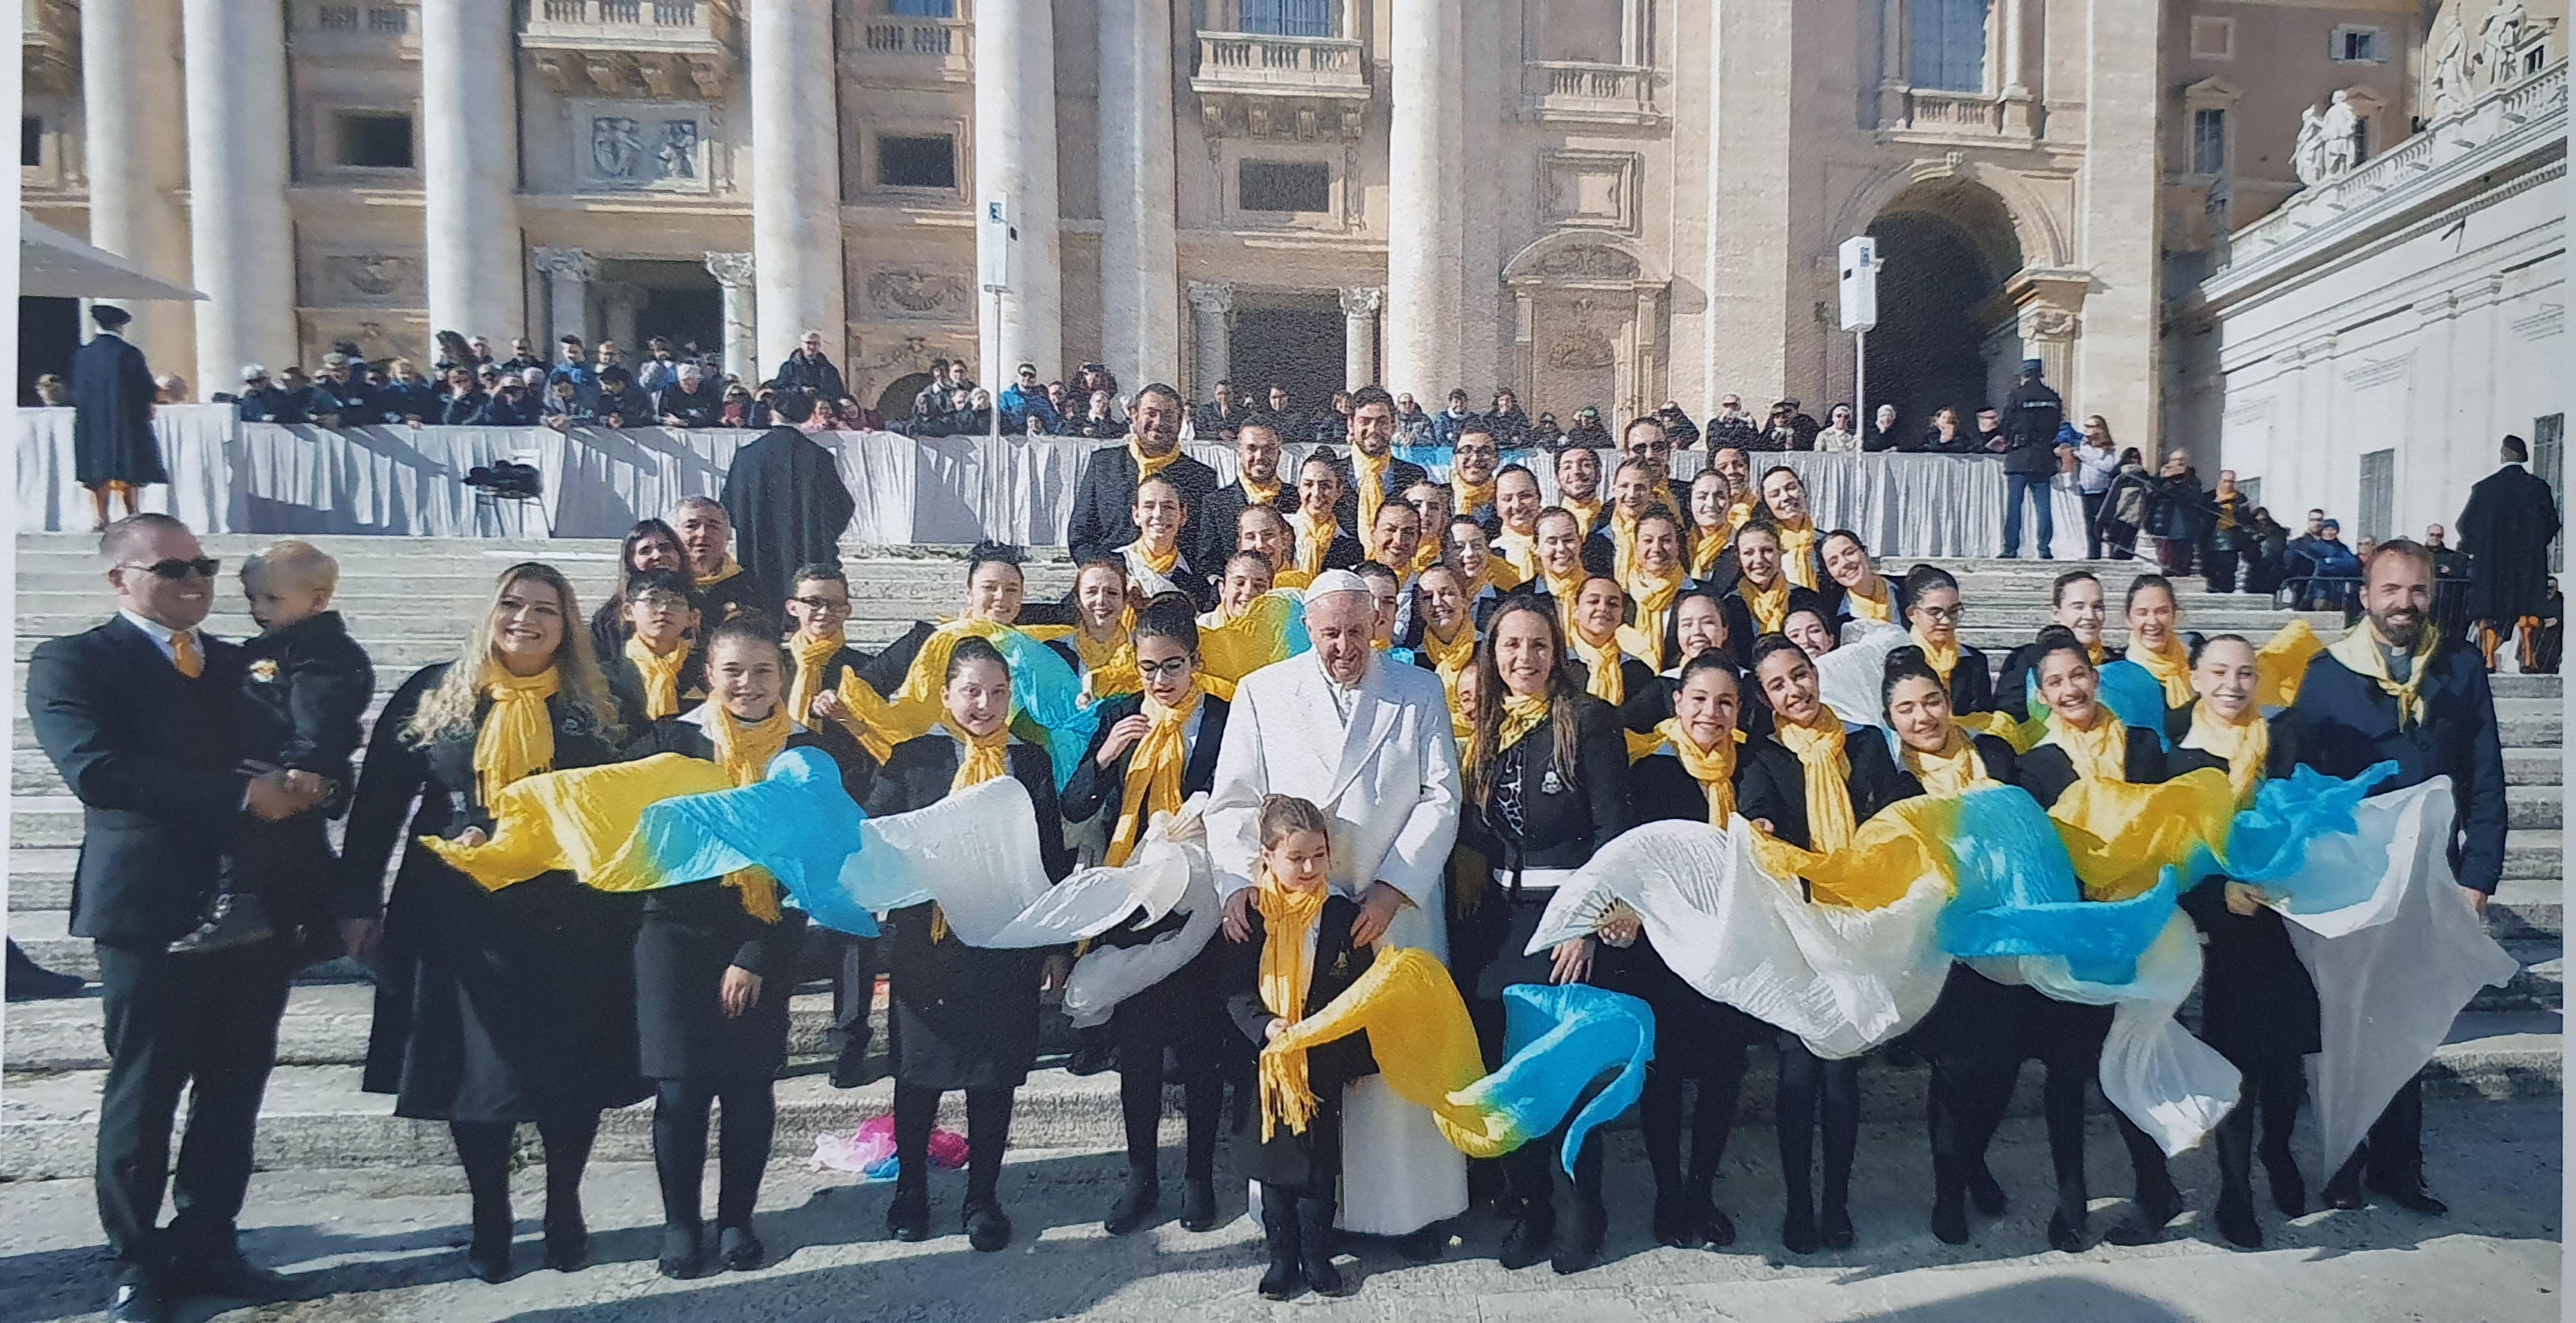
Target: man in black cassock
(788, 503)
(113, 449)
(2506, 528)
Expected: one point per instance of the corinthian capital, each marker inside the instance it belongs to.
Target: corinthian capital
(1211, 296)
(731, 270)
(1362, 300)
(566, 263)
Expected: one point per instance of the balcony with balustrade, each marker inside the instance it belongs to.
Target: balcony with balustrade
(1573, 92)
(1263, 85)
(908, 49)
(657, 48)
(1931, 115)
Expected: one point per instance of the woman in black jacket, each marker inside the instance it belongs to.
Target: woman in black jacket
(1153, 751)
(1763, 596)
(2258, 1006)
(1546, 783)
(962, 1017)
(659, 670)
(2086, 743)
(1811, 747)
(650, 546)
(716, 961)
(497, 1007)
(1933, 610)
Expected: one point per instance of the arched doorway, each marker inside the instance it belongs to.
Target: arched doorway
(1946, 247)
(895, 401)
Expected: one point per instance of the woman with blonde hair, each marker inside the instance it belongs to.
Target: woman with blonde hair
(497, 1007)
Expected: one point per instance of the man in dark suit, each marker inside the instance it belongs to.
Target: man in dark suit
(2395, 689)
(1373, 425)
(2506, 528)
(1104, 501)
(113, 449)
(138, 715)
(1215, 526)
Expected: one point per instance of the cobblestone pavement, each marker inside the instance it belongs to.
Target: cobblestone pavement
(383, 1244)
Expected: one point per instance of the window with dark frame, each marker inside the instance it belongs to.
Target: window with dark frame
(1284, 186)
(375, 140)
(31, 140)
(917, 160)
(2209, 140)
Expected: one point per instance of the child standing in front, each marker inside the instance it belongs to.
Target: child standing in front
(1297, 960)
(307, 685)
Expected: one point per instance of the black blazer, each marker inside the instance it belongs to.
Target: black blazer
(1288, 1160)
(1972, 683)
(1771, 783)
(1104, 501)
(718, 603)
(1741, 630)
(1400, 474)
(305, 701)
(626, 685)
(1209, 538)
(2347, 724)
(154, 759)
(917, 772)
(1558, 827)
(2046, 771)
(1094, 788)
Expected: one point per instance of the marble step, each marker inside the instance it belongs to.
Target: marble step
(316, 1116)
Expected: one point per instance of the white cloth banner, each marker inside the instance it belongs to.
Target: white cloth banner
(231, 476)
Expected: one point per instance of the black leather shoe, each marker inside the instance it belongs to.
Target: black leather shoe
(2343, 1191)
(1578, 1239)
(2065, 1234)
(988, 1230)
(850, 1068)
(1093, 1052)
(2410, 1195)
(2236, 1221)
(682, 1253)
(135, 1300)
(1678, 1223)
(567, 1240)
(2289, 1187)
(1950, 1220)
(1798, 1231)
(740, 1250)
(1425, 1245)
(232, 1277)
(908, 1217)
(2147, 1220)
(1836, 1226)
(1986, 1192)
(1721, 1228)
(1135, 1204)
(1526, 1240)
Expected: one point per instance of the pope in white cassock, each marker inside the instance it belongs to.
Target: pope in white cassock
(1370, 743)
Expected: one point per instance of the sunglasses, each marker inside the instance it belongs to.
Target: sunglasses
(204, 567)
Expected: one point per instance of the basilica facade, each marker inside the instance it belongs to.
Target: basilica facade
(1603, 202)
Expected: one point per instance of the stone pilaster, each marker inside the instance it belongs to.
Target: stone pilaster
(1212, 322)
(1360, 305)
(243, 251)
(734, 274)
(130, 108)
(568, 273)
(2118, 222)
(1425, 242)
(1140, 297)
(1015, 161)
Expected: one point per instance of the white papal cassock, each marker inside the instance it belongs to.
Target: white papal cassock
(1382, 762)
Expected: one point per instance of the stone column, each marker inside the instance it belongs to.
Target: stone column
(1360, 305)
(1212, 321)
(568, 272)
(1757, 306)
(1891, 55)
(130, 108)
(1424, 242)
(2015, 93)
(733, 272)
(470, 171)
(1015, 161)
(795, 179)
(1140, 297)
(243, 252)
(2119, 224)
(620, 304)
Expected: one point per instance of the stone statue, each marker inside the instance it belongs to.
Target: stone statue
(2451, 73)
(2308, 153)
(2341, 129)
(2500, 42)
(616, 148)
(678, 153)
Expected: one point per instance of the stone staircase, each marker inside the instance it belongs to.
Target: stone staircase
(410, 602)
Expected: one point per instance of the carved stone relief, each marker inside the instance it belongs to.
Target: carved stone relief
(910, 293)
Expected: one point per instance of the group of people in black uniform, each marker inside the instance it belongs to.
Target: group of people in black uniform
(1610, 659)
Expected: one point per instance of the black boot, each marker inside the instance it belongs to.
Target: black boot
(908, 1217)
(1279, 1230)
(1528, 1232)
(2289, 1188)
(235, 919)
(1135, 1203)
(988, 1229)
(1315, 1247)
(2235, 1143)
(1198, 1203)
(1985, 1191)
(683, 1253)
(1586, 1221)
(487, 1255)
(1094, 1051)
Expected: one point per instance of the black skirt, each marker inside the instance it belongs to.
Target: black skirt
(1692, 1033)
(1514, 922)
(1976, 1016)
(509, 1005)
(2256, 999)
(680, 1023)
(960, 1017)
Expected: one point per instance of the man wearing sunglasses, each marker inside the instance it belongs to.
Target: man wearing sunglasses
(137, 715)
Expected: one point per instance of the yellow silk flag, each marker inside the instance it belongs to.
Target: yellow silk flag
(2121, 836)
(2282, 662)
(881, 722)
(581, 820)
(1250, 641)
(1423, 1041)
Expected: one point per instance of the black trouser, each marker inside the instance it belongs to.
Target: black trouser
(1806, 1081)
(680, 1147)
(2219, 567)
(1659, 1115)
(1190, 1032)
(207, 1022)
(2393, 1152)
(2093, 524)
(988, 1133)
(2278, 1084)
(854, 994)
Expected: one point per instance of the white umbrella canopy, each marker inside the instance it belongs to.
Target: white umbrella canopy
(53, 264)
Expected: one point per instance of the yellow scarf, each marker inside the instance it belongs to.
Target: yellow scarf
(2171, 667)
(1881, 609)
(1586, 513)
(744, 752)
(1368, 474)
(723, 572)
(1499, 574)
(661, 672)
(1425, 556)
(1797, 554)
(1607, 683)
(1521, 715)
(1161, 563)
(1260, 493)
(1109, 669)
(2246, 746)
(1314, 540)
(1146, 466)
(1564, 591)
(1519, 550)
(812, 657)
(1654, 599)
(518, 735)
(1468, 498)
(1830, 826)
(1450, 656)
(1770, 606)
(1714, 769)
(1287, 970)
(1943, 658)
(2099, 754)
(2362, 653)
(1955, 770)
(1707, 545)
(1153, 783)
(1623, 544)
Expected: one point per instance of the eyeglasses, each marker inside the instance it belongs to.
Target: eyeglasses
(1175, 669)
(822, 605)
(1948, 614)
(204, 567)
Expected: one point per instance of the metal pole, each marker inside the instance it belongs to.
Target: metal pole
(1861, 418)
(994, 419)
